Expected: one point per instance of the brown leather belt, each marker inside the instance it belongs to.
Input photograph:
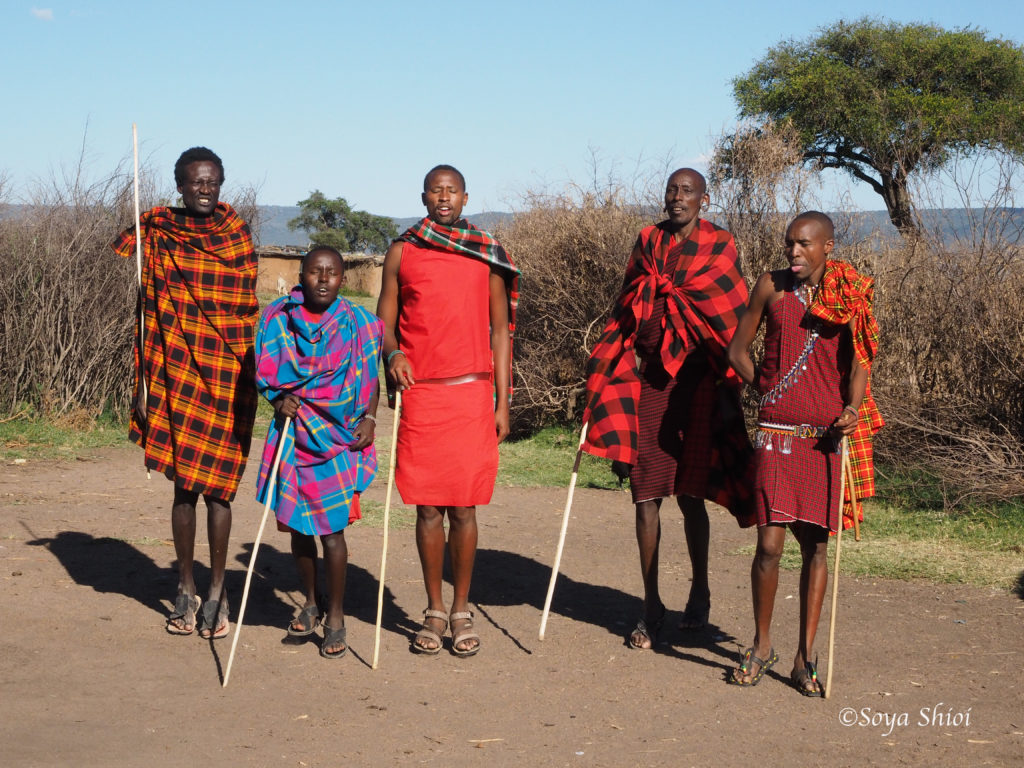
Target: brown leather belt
(463, 379)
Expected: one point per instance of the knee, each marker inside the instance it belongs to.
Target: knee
(334, 543)
(429, 517)
(460, 517)
(693, 509)
(767, 556)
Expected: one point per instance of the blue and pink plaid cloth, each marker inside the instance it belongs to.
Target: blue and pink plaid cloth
(330, 363)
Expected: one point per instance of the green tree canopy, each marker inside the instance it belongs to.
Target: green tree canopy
(334, 223)
(880, 100)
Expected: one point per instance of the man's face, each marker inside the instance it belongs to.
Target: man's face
(807, 247)
(322, 277)
(684, 195)
(444, 197)
(201, 189)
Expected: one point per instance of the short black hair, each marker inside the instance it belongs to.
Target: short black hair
(196, 155)
(451, 168)
(317, 249)
(695, 172)
(822, 218)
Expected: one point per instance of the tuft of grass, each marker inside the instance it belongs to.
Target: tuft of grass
(62, 438)
(546, 459)
(402, 517)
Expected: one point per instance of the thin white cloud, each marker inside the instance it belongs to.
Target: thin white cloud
(44, 14)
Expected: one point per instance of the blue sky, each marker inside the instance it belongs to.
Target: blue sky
(359, 99)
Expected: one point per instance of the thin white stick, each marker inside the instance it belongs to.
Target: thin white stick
(143, 389)
(561, 535)
(271, 492)
(387, 523)
(835, 568)
(853, 497)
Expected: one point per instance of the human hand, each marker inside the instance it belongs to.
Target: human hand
(400, 370)
(363, 434)
(846, 424)
(286, 406)
(501, 422)
(139, 406)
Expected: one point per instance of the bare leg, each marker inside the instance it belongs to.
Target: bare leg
(764, 581)
(218, 524)
(183, 530)
(648, 539)
(304, 552)
(336, 557)
(462, 539)
(430, 544)
(813, 579)
(698, 541)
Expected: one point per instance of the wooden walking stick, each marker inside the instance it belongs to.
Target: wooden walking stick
(387, 521)
(853, 496)
(271, 491)
(143, 390)
(561, 535)
(835, 569)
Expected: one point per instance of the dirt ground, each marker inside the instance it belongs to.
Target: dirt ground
(924, 675)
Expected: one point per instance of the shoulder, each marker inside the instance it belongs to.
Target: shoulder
(772, 285)
(720, 235)
(273, 309)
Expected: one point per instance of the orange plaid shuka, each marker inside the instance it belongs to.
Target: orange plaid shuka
(200, 310)
(846, 295)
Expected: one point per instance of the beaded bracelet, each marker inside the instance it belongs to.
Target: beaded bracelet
(392, 354)
(369, 416)
(851, 409)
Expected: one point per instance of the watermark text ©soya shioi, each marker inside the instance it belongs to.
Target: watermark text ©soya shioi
(939, 716)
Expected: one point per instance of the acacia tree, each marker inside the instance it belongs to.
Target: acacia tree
(334, 223)
(881, 100)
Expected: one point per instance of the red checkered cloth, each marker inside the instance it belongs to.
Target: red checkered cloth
(200, 311)
(705, 297)
(466, 240)
(846, 295)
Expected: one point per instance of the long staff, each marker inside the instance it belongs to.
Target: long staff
(835, 569)
(271, 493)
(143, 390)
(565, 527)
(853, 496)
(387, 522)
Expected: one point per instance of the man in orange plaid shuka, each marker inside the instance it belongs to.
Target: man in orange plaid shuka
(820, 341)
(199, 313)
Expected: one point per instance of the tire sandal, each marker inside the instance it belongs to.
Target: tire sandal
(333, 637)
(647, 630)
(464, 634)
(185, 609)
(744, 668)
(800, 678)
(308, 618)
(426, 633)
(215, 622)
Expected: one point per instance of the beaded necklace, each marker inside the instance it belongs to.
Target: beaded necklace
(773, 395)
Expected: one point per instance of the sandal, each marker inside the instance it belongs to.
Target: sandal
(333, 637)
(802, 678)
(185, 607)
(744, 668)
(426, 633)
(215, 623)
(466, 633)
(695, 617)
(308, 619)
(647, 631)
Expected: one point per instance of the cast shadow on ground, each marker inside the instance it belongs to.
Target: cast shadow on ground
(508, 579)
(1018, 587)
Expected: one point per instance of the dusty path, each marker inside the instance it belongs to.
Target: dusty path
(88, 677)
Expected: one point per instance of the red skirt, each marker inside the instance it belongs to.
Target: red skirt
(447, 453)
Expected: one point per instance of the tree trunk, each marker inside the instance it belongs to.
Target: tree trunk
(897, 202)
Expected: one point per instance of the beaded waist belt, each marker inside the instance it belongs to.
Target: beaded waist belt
(464, 379)
(782, 435)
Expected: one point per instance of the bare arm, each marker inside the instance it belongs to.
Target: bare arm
(501, 350)
(738, 351)
(398, 367)
(366, 428)
(847, 421)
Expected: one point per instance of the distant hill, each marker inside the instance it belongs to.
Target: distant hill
(274, 226)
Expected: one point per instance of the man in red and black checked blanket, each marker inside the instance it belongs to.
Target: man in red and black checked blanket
(199, 313)
(661, 397)
(819, 344)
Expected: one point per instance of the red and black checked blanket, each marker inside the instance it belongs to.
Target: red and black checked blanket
(466, 240)
(846, 295)
(200, 312)
(707, 296)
